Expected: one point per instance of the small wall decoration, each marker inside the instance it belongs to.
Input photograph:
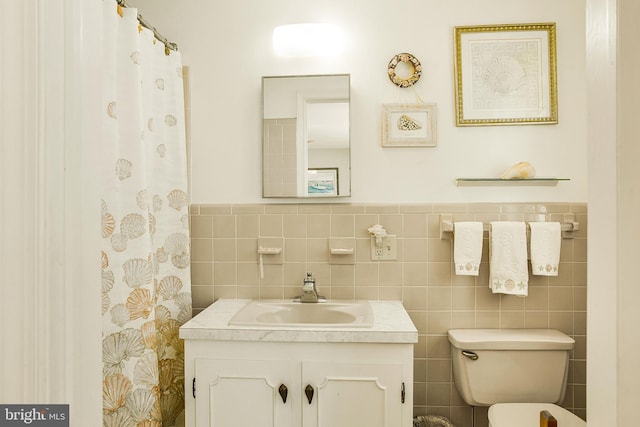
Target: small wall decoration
(506, 74)
(322, 182)
(404, 70)
(409, 125)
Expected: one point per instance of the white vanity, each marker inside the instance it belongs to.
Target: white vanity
(278, 363)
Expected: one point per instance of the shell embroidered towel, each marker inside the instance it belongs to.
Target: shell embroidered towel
(545, 248)
(467, 247)
(508, 272)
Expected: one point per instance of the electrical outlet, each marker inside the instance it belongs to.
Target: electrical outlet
(386, 251)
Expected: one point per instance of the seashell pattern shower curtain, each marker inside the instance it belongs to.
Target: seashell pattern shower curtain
(146, 290)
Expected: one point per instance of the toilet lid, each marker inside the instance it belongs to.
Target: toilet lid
(528, 415)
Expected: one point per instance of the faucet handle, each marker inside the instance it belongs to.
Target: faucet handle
(309, 279)
(309, 292)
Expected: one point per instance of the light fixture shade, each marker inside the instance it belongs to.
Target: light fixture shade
(304, 40)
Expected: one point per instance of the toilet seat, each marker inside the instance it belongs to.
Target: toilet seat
(528, 415)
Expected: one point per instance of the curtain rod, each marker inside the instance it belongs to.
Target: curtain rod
(156, 33)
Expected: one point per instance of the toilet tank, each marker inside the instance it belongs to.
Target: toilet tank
(510, 365)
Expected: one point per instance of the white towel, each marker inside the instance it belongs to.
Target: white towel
(545, 248)
(508, 273)
(467, 247)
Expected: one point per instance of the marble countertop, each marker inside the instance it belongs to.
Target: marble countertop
(391, 324)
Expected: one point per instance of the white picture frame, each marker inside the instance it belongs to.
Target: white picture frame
(409, 125)
(322, 182)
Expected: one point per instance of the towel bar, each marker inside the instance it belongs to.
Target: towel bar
(568, 225)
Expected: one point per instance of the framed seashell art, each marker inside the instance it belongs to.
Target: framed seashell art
(409, 125)
(506, 74)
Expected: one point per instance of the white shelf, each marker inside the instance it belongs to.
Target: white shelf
(469, 182)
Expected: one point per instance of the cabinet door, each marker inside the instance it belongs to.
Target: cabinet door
(242, 393)
(352, 394)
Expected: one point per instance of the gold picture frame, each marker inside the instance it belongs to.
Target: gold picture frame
(506, 74)
(409, 125)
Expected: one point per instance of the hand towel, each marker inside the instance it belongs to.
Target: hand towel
(508, 273)
(467, 247)
(545, 248)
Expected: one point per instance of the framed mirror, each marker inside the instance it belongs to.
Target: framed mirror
(306, 146)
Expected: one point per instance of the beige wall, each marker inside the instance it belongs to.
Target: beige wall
(225, 265)
(228, 47)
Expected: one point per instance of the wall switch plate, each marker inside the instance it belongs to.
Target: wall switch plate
(387, 251)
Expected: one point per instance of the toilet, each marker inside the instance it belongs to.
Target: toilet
(517, 372)
(528, 415)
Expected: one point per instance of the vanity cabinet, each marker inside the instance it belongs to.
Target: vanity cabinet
(259, 377)
(353, 393)
(318, 385)
(242, 392)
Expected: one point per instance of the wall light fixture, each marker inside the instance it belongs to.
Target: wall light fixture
(305, 40)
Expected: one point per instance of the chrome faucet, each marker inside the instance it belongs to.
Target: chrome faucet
(309, 291)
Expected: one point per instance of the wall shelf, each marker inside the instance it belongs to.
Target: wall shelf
(467, 182)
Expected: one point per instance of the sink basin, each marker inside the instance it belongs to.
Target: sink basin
(284, 313)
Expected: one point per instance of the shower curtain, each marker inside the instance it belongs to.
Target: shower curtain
(146, 290)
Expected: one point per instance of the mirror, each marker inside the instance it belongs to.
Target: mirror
(305, 145)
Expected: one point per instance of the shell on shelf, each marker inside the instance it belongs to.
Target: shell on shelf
(521, 170)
